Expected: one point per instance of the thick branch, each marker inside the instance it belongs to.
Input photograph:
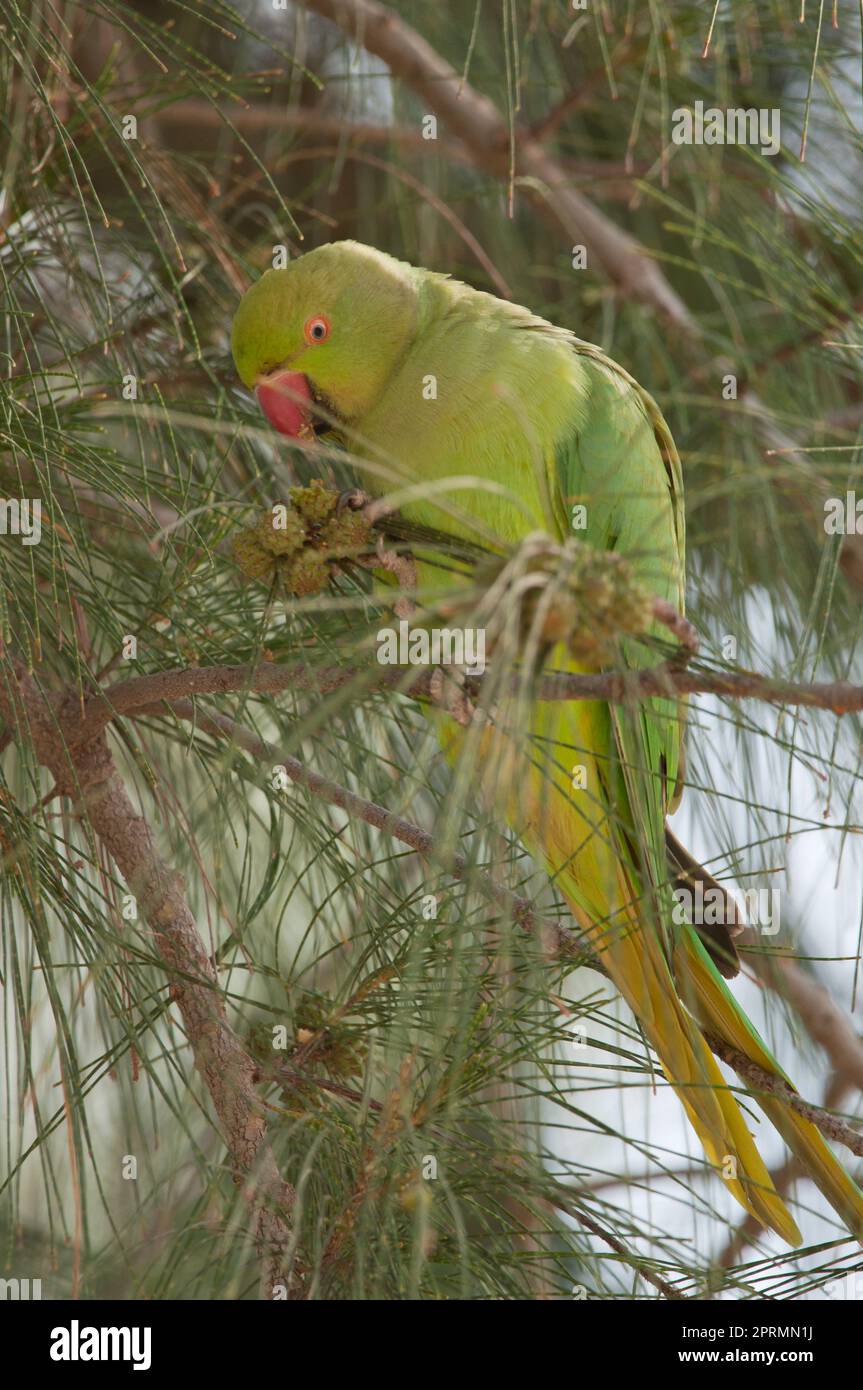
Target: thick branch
(269, 678)
(89, 776)
(481, 127)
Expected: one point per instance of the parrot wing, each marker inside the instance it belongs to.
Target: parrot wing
(624, 468)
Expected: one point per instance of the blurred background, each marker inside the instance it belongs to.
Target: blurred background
(156, 158)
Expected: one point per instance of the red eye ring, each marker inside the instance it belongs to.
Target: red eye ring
(316, 329)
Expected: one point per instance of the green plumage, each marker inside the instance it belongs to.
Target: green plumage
(489, 423)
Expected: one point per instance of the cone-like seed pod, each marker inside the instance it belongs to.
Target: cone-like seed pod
(259, 548)
(315, 503)
(346, 534)
(337, 1046)
(574, 593)
(301, 550)
(253, 560)
(282, 539)
(306, 573)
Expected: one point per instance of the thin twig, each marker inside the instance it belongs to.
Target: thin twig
(558, 940)
(663, 1287)
(760, 1080)
(475, 120)
(750, 1229)
(826, 1022)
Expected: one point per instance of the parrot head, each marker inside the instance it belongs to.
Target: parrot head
(329, 330)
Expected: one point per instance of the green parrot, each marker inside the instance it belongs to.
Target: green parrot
(503, 424)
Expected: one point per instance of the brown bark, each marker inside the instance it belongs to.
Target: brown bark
(86, 772)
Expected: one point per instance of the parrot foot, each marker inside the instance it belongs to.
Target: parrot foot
(355, 500)
(447, 690)
(665, 613)
(403, 567)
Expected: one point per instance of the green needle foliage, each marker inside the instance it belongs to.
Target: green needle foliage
(461, 1111)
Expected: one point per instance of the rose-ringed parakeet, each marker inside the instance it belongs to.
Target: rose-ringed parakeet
(509, 423)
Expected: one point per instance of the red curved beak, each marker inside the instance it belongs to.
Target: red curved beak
(285, 399)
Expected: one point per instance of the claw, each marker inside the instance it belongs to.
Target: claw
(447, 691)
(405, 571)
(354, 498)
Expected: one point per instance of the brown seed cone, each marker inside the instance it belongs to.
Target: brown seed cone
(315, 503)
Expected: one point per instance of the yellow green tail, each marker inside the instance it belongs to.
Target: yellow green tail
(590, 861)
(638, 967)
(718, 1012)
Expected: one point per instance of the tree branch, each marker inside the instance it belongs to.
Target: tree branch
(479, 125)
(87, 774)
(269, 678)
(759, 1080)
(827, 1024)
(750, 1229)
(641, 1266)
(175, 122)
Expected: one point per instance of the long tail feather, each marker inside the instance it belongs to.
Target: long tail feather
(719, 1013)
(591, 857)
(637, 965)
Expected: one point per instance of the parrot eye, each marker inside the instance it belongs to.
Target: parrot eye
(316, 329)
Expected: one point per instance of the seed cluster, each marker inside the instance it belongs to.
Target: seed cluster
(302, 542)
(604, 600)
(575, 594)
